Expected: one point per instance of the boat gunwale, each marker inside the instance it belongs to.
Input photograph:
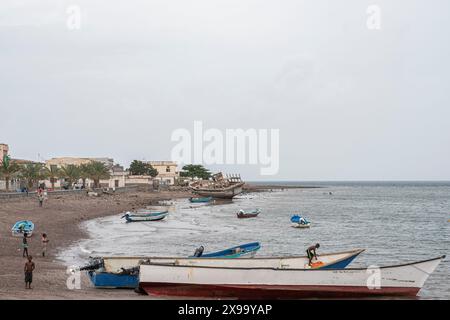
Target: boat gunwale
(281, 269)
(358, 251)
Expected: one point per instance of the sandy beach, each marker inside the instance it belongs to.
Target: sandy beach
(60, 218)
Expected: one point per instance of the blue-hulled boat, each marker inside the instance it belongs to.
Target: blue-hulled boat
(21, 227)
(300, 222)
(248, 249)
(200, 199)
(112, 280)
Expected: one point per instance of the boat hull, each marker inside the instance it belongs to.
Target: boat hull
(135, 218)
(226, 193)
(399, 280)
(271, 292)
(110, 280)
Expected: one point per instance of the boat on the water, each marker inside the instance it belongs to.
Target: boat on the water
(224, 187)
(248, 249)
(21, 227)
(145, 217)
(299, 222)
(145, 213)
(272, 283)
(200, 199)
(122, 272)
(248, 214)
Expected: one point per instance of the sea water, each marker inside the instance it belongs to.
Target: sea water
(396, 222)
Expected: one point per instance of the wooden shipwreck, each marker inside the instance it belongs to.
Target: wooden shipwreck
(219, 186)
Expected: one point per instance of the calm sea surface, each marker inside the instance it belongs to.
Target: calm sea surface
(395, 222)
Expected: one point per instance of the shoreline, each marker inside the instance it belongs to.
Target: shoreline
(57, 219)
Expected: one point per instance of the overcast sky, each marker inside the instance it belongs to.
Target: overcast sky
(351, 103)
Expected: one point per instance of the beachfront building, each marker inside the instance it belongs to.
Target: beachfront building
(167, 171)
(117, 175)
(4, 149)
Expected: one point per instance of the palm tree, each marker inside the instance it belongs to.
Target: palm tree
(84, 173)
(71, 173)
(52, 173)
(97, 171)
(32, 173)
(8, 170)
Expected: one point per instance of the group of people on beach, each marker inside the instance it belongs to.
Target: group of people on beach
(29, 264)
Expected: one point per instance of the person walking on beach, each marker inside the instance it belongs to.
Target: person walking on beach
(45, 241)
(28, 269)
(311, 252)
(41, 198)
(25, 245)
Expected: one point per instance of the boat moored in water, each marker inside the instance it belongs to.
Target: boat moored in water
(272, 283)
(248, 214)
(299, 222)
(200, 199)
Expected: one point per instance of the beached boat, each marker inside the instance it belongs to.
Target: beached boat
(200, 199)
(120, 272)
(248, 214)
(202, 281)
(145, 217)
(21, 227)
(299, 222)
(144, 213)
(219, 186)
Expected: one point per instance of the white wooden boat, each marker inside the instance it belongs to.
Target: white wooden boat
(330, 260)
(300, 225)
(206, 281)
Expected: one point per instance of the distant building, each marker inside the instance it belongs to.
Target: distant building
(4, 149)
(167, 171)
(65, 161)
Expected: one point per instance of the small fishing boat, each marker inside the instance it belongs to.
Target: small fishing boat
(299, 222)
(248, 249)
(200, 199)
(145, 217)
(145, 213)
(21, 227)
(248, 214)
(270, 283)
(123, 272)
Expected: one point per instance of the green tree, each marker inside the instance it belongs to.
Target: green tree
(140, 168)
(195, 170)
(98, 171)
(32, 173)
(52, 173)
(71, 173)
(8, 170)
(84, 173)
(152, 171)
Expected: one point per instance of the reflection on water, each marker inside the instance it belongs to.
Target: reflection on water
(393, 222)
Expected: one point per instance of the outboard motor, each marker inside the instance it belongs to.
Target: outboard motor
(199, 251)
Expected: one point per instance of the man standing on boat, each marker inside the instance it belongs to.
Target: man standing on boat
(311, 252)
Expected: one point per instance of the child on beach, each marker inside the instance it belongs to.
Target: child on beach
(41, 198)
(28, 269)
(45, 241)
(25, 245)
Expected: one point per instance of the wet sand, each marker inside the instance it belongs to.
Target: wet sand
(60, 218)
